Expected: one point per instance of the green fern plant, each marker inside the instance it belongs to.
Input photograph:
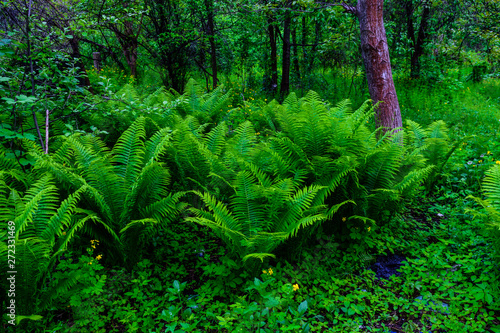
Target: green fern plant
(127, 186)
(205, 107)
(40, 229)
(262, 213)
(434, 144)
(337, 150)
(491, 188)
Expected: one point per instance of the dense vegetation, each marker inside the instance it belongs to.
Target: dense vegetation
(154, 177)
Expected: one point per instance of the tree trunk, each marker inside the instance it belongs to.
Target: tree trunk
(418, 42)
(285, 75)
(129, 41)
(296, 68)
(317, 38)
(211, 39)
(375, 53)
(304, 38)
(75, 53)
(274, 54)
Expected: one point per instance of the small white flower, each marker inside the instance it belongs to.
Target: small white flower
(469, 163)
(440, 215)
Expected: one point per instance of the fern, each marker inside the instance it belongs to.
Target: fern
(261, 214)
(118, 186)
(39, 220)
(491, 188)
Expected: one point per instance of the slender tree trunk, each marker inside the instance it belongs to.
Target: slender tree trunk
(129, 41)
(274, 54)
(304, 38)
(375, 53)
(285, 75)
(75, 48)
(211, 39)
(296, 67)
(317, 38)
(419, 41)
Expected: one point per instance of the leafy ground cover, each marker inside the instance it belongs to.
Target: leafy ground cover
(446, 284)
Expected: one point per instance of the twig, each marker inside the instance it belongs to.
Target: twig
(47, 131)
(32, 74)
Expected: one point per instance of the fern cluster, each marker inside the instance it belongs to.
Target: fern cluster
(44, 226)
(491, 204)
(325, 155)
(127, 193)
(117, 112)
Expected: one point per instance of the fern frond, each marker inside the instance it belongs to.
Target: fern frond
(33, 206)
(157, 145)
(259, 256)
(416, 133)
(244, 140)
(62, 217)
(128, 152)
(438, 130)
(216, 139)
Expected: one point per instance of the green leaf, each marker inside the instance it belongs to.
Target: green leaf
(9, 100)
(8, 134)
(272, 302)
(302, 307)
(24, 161)
(32, 317)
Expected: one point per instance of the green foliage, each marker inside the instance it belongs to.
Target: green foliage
(322, 165)
(261, 213)
(39, 228)
(434, 143)
(118, 111)
(491, 188)
(127, 187)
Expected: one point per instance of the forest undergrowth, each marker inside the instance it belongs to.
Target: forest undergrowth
(230, 211)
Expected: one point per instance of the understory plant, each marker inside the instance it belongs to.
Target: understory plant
(127, 188)
(322, 164)
(491, 188)
(38, 228)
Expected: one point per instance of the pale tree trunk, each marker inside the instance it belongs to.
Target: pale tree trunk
(375, 53)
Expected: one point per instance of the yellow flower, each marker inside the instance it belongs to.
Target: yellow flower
(489, 152)
(369, 228)
(99, 257)
(497, 162)
(264, 271)
(344, 219)
(271, 271)
(480, 161)
(295, 287)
